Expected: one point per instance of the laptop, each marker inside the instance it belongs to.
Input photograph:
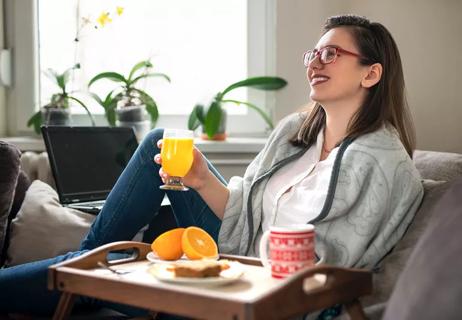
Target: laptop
(87, 161)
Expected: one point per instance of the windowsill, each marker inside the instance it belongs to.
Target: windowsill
(231, 145)
(26, 143)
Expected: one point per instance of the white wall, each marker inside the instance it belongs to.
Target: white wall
(424, 30)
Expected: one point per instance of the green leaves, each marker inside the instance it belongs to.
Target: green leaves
(151, 106)
(212, 117)
(147, 75)
(58, 100)
(113, 76)
(35, 121)
(109, 104)
(260, 83)
(143, 64)
(196, 118)
(265, 117)
(127, 92)
(85, 107)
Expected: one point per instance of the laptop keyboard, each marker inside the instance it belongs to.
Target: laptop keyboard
(96, 204)
(93, 207)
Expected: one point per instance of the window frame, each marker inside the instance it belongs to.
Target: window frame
(21, 29)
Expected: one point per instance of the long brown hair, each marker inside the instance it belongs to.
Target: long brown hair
(385, 102)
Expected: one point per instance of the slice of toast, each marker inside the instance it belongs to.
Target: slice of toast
(198, 268)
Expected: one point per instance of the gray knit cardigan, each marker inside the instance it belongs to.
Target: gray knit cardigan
(373, 194)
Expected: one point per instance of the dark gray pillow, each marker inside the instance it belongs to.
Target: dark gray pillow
(435, 165)
(9, 168)
(21, 187)
(430, 286)
(393, 264)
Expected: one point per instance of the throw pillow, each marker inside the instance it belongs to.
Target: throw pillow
(430, 286)
(435, 165)
(43, 228)
(393, 264)
(21, 187)
(20, 192)
(9, 168)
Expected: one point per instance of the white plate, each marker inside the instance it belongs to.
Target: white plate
(233, 273)
(153, 257)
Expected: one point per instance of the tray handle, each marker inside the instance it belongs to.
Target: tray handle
(340, 285)
(90, 259)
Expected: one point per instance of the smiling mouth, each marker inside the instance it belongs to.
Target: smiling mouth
(318, 80)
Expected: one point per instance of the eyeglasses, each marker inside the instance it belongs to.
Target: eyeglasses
(326, 55)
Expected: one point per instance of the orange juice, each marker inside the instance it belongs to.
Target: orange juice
(177, 156)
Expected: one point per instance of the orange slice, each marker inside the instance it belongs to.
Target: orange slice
(168, 245)
(198, 244)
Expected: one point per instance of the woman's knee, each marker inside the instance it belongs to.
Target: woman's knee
(153, 136)
(150, 140)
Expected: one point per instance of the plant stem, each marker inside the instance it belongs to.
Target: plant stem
(254, 107)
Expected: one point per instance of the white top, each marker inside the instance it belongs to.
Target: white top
(296, 192)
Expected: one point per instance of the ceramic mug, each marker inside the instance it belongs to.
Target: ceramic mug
(291, 248)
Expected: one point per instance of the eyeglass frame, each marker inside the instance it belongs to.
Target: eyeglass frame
(317, 53)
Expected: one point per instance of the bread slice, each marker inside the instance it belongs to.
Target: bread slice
(198, 268)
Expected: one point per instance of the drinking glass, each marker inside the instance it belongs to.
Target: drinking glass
(177, 157)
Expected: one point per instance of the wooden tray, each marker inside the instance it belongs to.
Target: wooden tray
(256, 295)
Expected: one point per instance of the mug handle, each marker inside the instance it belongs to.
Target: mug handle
(264, 249)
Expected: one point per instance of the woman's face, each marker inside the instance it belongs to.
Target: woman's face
(339, 81)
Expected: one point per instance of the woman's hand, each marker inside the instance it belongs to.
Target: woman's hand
(197, 175)
(201, 179)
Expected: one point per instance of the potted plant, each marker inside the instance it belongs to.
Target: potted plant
(57, 111)
(213, 117)
(128, 105)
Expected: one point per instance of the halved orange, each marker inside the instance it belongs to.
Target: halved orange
(168, 245)
(198, 244)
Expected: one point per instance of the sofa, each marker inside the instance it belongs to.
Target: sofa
(404, 278)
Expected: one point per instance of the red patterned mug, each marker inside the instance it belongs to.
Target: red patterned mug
(291, 248)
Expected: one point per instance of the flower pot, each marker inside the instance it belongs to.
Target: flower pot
(220, 135)
(56, 116)
(135, 117)
(132, 113)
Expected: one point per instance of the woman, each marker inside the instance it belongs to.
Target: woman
(345, 167)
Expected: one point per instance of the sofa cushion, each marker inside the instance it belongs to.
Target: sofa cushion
(9, 168)
(430, 285)
(43, 228)
(22, 185)
(20, 192)
(391, 266)
(438, 165)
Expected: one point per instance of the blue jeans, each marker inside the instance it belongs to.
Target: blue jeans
(132, 204)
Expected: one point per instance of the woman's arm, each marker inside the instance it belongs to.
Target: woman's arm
(201, 179)
(215, 194)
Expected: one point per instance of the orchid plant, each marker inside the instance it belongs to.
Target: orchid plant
(59, 100)
(210, 116)
(128, 92)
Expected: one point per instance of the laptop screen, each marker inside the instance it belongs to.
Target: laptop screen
(86, 161)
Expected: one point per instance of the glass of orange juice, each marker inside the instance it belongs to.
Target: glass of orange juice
(177, 157)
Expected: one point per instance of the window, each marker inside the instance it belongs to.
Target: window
(202, 45)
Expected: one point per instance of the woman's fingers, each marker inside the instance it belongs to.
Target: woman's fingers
(163, 175)
(158, 159)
